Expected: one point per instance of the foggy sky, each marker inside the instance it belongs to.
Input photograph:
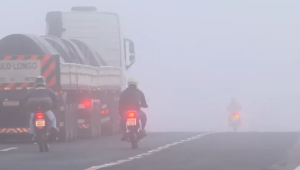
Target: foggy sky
(194, 55)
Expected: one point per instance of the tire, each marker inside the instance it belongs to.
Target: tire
(75, 133)
(43, 144)
(40, 141)
(93, 127)
(71, 138)
(65, 135)
(99, 130)
(135, 145)
(41, 147)
(46, 147)
(133, 140)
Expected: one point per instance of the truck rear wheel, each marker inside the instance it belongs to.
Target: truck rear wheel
(65, 133)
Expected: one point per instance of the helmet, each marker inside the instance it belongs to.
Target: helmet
(233, 99)
(132, 81)
(40, 81)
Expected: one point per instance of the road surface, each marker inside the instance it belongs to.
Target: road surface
(160, 151)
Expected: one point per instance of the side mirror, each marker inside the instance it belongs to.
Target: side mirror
(132, 58)
(129, 52)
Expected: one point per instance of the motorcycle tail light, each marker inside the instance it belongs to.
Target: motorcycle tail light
(131, 114)
(39, 116)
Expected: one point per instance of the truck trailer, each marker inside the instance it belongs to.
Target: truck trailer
(84, 59)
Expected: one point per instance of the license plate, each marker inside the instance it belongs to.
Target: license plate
(131, 122)
(40, 123)
(11, 103)
(235, 119)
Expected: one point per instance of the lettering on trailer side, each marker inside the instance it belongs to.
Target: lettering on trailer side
(19, 71)
(18, 66)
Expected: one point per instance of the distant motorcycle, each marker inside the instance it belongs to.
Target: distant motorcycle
(235, 121)
(41, 130)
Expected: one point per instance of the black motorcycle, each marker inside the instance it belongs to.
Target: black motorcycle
(39, 106)
(235, 121)
(132, 124)
(41, 130)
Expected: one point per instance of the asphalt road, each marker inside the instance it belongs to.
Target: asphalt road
(176, 151)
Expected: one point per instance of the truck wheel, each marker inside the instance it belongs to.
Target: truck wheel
(64, 134)
(99, 130)
(71, 138)
(74, 123)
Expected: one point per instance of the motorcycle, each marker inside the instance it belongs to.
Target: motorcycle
(235, 121)
(41, 131)
(132, 128)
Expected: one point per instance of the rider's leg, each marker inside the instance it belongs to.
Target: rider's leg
(52, 119)
(143, 119)
(31, 127)
(52, 127)
(123, 128)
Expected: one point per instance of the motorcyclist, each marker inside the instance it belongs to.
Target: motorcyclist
(132, 98)
(233, 108)
(41, 91)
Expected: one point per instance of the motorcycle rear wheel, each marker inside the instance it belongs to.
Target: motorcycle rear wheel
(133, 140)
(46, 147)
(41, 147)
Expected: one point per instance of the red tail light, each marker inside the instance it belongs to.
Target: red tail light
(236, 115)
(104, 112)
(85, 104)
(39, 116)
(131, 114)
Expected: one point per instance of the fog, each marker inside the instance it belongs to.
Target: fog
(194, 55)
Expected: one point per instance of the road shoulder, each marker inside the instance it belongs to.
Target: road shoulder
(291, 159)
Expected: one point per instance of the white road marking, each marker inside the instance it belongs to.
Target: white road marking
(8, 149)
(151, 152)
(298, 168)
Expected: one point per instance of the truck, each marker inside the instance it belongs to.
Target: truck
(83, 57)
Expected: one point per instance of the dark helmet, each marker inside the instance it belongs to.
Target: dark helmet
(40, 81)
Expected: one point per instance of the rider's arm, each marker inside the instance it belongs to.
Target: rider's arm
(120, 105)
(29, 95)
(143, 100)
(53, 98)
(50, 115)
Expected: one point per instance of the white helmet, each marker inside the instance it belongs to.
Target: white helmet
(132, 81)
